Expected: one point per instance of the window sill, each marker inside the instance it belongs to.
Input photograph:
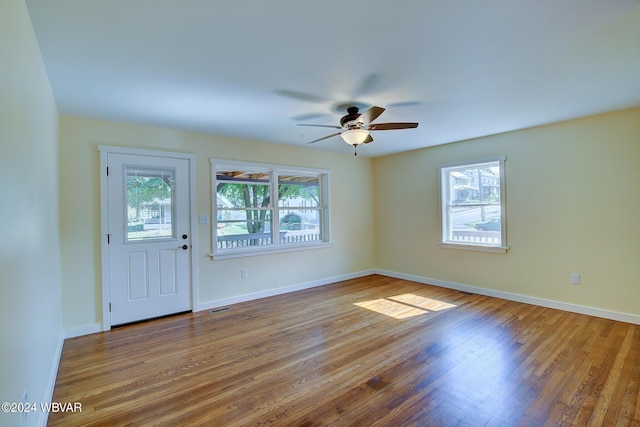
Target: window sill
(479, 248)
(267, 250)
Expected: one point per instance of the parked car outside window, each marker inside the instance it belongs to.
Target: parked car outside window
(492, 225)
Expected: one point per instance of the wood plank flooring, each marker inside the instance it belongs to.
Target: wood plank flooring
(373, 351)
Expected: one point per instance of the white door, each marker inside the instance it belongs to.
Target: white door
(149, 250)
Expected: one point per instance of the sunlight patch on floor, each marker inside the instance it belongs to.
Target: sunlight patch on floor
(404, 306)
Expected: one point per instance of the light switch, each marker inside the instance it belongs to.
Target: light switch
(203, 219)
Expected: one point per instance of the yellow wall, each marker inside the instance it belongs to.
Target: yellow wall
(30, 319)
(573, 206)
(351, 216)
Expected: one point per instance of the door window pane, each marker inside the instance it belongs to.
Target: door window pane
(149, 204)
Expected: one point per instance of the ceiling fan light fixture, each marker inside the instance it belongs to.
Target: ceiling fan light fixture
(355, 137)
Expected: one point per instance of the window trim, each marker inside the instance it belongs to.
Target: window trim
(274, 171)
(503, 247)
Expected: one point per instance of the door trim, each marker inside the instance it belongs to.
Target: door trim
(105, 150)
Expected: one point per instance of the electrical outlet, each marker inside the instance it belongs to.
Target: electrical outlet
(575, 278)
(357, 255)
(244, 273)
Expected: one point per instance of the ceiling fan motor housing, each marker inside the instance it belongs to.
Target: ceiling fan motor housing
(352, 116)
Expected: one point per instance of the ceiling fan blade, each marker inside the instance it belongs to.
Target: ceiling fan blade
(368, 85)
(310, 116)
(324, 137)
(391, 126)
(300, 96)
(370, 115)
(404, 104)
(320, 126)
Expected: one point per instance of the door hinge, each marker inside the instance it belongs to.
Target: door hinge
(109, 307)
(108, 238)
(107, 170)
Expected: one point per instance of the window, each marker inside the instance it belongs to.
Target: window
(262, 208)
(472, 198)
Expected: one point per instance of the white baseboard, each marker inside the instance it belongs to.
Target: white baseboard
(279, 291)
(82, 330)
(51, 383)
(97, 327)
(573, 308)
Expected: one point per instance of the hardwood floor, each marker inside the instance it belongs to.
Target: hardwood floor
(374, 351)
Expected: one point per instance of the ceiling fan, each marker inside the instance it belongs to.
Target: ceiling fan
(355, 127)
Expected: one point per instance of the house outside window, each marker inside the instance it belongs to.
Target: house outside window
(262, 208)
(472, 202)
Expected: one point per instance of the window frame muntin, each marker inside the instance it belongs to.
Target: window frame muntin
(444, 206)
(274, 170)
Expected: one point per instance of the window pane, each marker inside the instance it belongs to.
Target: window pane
(150, 204)
(232, 174)
(240, 228)
(298, 191)
(476, 184)
(242, 195)
(300, 225)
(479, 225)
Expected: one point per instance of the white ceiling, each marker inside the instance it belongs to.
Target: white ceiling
(254, 68)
